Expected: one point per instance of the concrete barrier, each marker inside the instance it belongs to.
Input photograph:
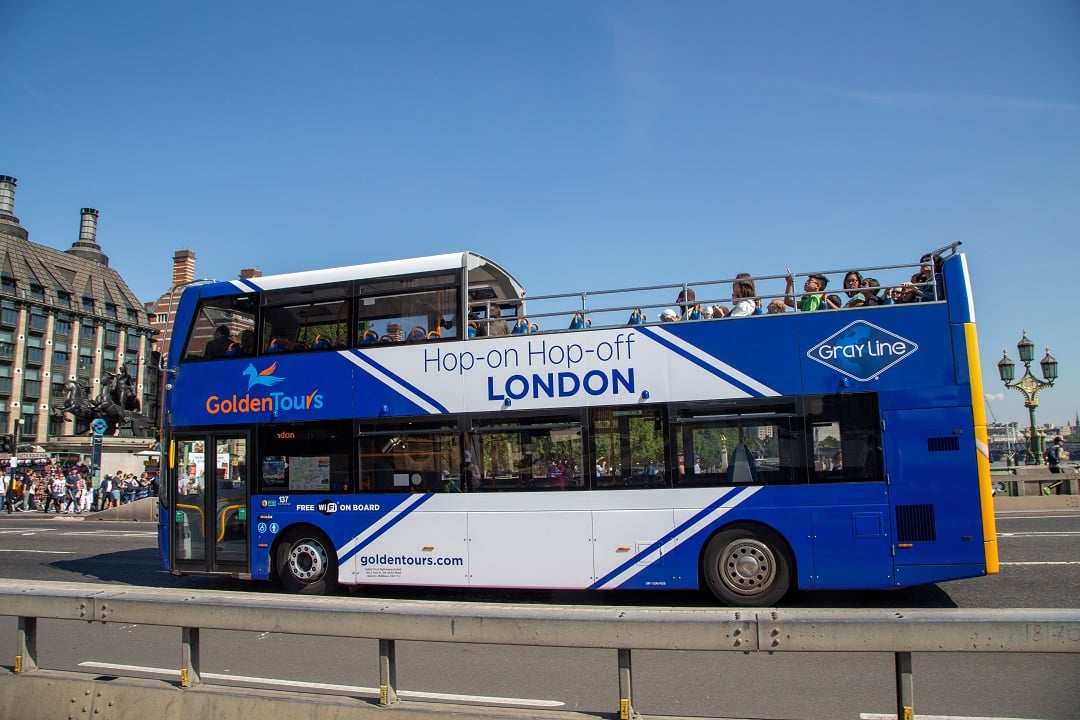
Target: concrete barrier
(145, 510)
(30, 693)
(48, 695)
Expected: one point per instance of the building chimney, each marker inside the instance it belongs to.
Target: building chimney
(7, 195)
(9, 224)
(88, 226)
(248, 273)
(86, 247)
(183, 267)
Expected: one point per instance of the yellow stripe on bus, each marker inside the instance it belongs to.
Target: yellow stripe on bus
(982, 445)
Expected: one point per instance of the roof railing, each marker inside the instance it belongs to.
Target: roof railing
(897, 285)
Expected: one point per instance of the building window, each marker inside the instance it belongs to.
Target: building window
(112, 335)
(7, 284)
(133, 315)
(30, 426)
(37, 292)
(161, 318)
(63, 298)
(60, 360)
(7, 350)
(9, 313)
(32, 388)
(58, 390)
(35, 355)
(88, 304)
(38, 321)
(86, 332)
(110, 309)
(62, 325)
(132, 342)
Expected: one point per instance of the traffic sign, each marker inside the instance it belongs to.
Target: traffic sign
(99, 426)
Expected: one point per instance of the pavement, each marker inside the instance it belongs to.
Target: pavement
(145, 510)
(1036, 502)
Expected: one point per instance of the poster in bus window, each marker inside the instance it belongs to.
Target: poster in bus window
(309, 473)
(273, 471)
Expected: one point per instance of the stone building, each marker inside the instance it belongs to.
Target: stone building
(65, 316)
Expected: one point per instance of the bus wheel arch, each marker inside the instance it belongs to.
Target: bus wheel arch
(305, 561)
(747, 564)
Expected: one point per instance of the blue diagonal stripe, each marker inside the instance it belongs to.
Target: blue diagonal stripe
(417, 391)
(401, 515)
(699, 362)
(660, 542)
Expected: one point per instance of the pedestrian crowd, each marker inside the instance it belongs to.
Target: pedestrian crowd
(70, 489)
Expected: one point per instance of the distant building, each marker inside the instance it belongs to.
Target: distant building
(162, 311)
(65, 316)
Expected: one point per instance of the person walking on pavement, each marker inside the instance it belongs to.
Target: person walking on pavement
(6, 492)
(56, 494)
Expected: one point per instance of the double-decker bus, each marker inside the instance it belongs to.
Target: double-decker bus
(424, 422)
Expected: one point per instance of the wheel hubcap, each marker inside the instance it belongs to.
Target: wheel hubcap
(307, 561)
(748, 567)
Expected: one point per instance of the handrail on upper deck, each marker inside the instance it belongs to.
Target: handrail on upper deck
(556, 312)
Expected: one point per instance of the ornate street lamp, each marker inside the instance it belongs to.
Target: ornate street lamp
(1030, 386)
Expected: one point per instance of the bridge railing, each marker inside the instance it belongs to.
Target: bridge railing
(623, 629)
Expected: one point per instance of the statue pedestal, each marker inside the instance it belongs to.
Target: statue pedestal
(118, 454)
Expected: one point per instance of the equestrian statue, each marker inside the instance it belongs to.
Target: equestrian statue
(118, 402)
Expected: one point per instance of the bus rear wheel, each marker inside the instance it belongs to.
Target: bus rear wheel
(747, 566)
(306, 563)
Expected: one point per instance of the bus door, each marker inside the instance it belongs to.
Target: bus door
(933, 487)
(208, 494)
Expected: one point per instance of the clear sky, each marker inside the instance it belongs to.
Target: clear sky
(582, 145)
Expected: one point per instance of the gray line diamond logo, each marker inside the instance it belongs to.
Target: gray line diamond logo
(862, 350)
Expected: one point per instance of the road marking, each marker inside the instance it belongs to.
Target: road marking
(1048, 533)
(1044, 562)
(1008, 515)
(43, 552)
(112, 533)
(892, 716)
(416, 695)
(80, 533)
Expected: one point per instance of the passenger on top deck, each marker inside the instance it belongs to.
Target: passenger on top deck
(853, 282)
(906, 293)
(496, 325)
(687, 300)
(813, 299)
(219, 345)
(923, 281)
(871, 288)
(742, 295)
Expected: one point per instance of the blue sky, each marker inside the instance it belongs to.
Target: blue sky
(582, 145)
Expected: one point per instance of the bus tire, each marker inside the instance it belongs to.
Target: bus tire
(307, 563)
(747, 566)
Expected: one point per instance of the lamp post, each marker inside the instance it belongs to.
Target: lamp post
(18, 434)
(1030, 386)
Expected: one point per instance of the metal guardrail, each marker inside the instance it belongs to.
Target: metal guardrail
(901, 632)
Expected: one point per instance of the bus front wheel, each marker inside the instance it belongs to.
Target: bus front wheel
(747, 566)
(306, 563)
